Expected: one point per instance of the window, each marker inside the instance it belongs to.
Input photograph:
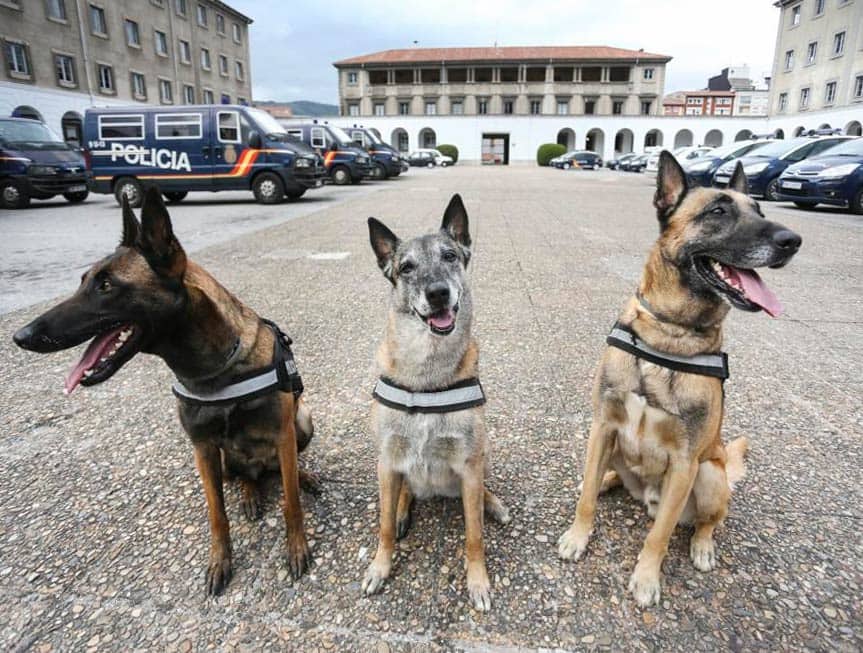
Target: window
(178, 125)
(839, 44)
(379, 108)
(789, 60)
(236, 33)
(352, 78)
(239, 70)
(226, 99)
(804, 98)
(830, 93)
(161, 43)
(617, 107)
(208, 96)
(166, 91)
(535, 107)
(202, 15)
(811, 53)
(98, 24)
(223, 65)
(795, 16)
(185, 52)
(229, 126)
(858, 86)
(106, 78)
(648, 73)
(317, 138)
(188, 94)
(139, 86)
(353, 109)
(457, 107)
(133, 35)
(783, 102)
(242, 100)
(482, 106)
(431, 107)
(65, 66)
(220, 24)
(121, 127)
(590, 107)
(205, 59)
(508, 106)
(646, 106)
(563, 107)
(404, 108)
(56, 9)
(17, 59)
(180, 7)
(404, 143)
(693, 100)
(819, 7)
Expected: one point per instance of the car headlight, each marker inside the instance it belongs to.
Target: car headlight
(839, 171)
(700, 166)
(362, 159)
(43, 170)
(755, 168)
(304, 163)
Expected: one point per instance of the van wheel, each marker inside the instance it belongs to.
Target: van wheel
(771, 193)
(74, 198)
(131, 188)
(13, 195)
(268, 188)
(175, 195)
(297, 194)
(341, 176)
(379, 171)
(857, 202)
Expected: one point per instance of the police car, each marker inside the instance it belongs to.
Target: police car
(835, 178)
(386, 160)
(196, 148)
(35, 163)
(345, 162)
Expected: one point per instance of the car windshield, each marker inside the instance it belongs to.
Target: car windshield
(341, 136)
(269, 125)
(780, 148)
(29, 135)
(854, 147)
(733, 149)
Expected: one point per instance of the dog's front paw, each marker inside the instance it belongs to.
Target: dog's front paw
(299, 556)
(479, 588)
(644, 585)
(572, 543)
(703, 553)
(376, 575)
(219, 571)
(310, 482)
(251, 507)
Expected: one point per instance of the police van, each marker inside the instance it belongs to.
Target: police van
(386, 160)
(196, 148)
(345, 162)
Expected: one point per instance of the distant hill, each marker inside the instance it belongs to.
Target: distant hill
(314, 109)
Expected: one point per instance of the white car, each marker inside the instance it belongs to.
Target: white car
(682, 154)
(440, 159)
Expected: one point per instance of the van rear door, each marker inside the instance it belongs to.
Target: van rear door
(181, 153)
(233, 159)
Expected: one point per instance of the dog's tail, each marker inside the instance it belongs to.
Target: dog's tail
(735, 466)
(304, 425)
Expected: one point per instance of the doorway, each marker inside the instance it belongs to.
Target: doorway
(495, 149)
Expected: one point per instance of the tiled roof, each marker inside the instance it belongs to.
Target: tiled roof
(503, 54)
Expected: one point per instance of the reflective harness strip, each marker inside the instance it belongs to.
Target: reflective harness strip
(716, 365)
(282, 375)
(459, 396)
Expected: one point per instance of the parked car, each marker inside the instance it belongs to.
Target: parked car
(36, 163)
(700, 171)
(764, 165)
(345, 162)
(386, 160)
(682, 154)
(635, 164)
(429, 158)
(577, 159)
(441, 160)
(834, 177)
(614, 164)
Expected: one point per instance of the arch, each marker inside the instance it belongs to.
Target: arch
(854, 128)
(653, 138)
(427, 137)
(400, 140)
(375, 131)
(25, 111)
(624, 141)
(714, 137)
(825, 125)
(799, 131)
(72, 126)
(683, 138)
(566, 137)
(743, 135)
(779, 133)
(595, 140)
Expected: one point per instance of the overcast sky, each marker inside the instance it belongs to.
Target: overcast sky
(294, 43)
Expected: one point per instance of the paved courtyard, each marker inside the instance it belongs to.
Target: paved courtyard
(103, 532)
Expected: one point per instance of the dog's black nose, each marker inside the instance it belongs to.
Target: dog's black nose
(437, 294)
(23, 336)
(787, 239)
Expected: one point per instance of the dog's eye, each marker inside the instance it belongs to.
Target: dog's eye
(718, 211)
(449, 256)
(407, 267)
(105, 285)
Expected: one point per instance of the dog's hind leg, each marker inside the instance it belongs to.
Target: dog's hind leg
(404, 512)
(251, 501)
(208, 460)
(495, 509)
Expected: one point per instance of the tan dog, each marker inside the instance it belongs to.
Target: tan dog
(657, 426)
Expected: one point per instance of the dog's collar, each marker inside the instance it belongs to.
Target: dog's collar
(459, 396)
(281, 375)
(623, 337)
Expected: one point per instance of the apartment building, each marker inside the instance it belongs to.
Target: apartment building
(518, 81)
(61, 56)
(818, 61)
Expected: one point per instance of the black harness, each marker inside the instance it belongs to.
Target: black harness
(715, 365)
(458, 396)
(281, 375)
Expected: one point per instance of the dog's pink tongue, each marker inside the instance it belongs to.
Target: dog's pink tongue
(443, 319)
(91, 356)
(757, 291)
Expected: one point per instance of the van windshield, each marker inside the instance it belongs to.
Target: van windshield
(375, 138)
(270, 126)
(28, 135)
(341, 136)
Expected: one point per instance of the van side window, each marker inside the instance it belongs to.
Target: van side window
(121, 127)
(318, 139)
(178, 125)
(229, 127)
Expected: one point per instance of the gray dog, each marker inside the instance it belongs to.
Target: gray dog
(428, 408)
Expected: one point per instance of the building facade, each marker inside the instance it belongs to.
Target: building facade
(500, 81)
(708, 103)
(818, 61)
(61, 56)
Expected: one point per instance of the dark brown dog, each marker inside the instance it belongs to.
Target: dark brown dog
(147, 297)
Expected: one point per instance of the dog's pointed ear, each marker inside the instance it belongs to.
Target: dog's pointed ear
(131, 226)
(671, 187)
(455, 224)
(738, 180)
(384, 243)
(157, 241)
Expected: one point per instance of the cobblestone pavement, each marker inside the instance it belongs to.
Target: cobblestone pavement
(103, 535)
